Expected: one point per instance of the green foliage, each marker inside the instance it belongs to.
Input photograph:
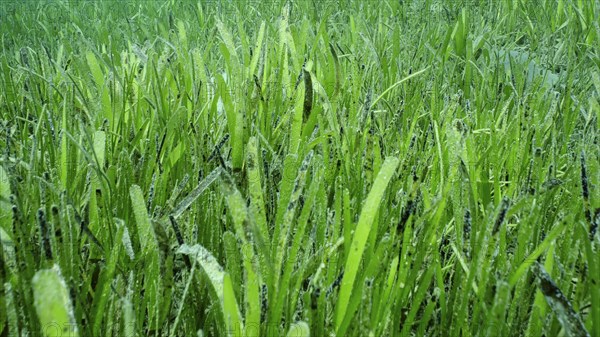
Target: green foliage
(297, 168)
(52, 303)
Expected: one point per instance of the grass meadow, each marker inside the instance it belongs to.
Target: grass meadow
(299, 168)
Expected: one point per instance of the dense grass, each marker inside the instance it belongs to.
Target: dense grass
(269, 168)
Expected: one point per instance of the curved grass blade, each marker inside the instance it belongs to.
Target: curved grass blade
(397, 84)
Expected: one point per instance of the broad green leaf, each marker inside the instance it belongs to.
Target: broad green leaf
(231, 311)
(95, 69)
(145, 229)
(100, 147)
(228, 40)
(361, 234)
(53, 304)
(174, 157)
(251, 287)
(257, 201)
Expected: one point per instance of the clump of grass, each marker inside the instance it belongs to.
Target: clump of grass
(299, 168)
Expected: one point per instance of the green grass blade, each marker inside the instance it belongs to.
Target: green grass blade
(361, 234)
(252, 296)
(299, 329)
(397, 84)
(554, 233)
(64, 164)
(11, 311)
(221, 286)
(231, 311)
(239, 213)
(145, 230)
(296, 124)
(257, 50)
(192, 196)
(257, 200)
(6, 213)
(150, 255)
(470, 99)
(228, 40)
(561, 306)
(288, 217)
(52, 303)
